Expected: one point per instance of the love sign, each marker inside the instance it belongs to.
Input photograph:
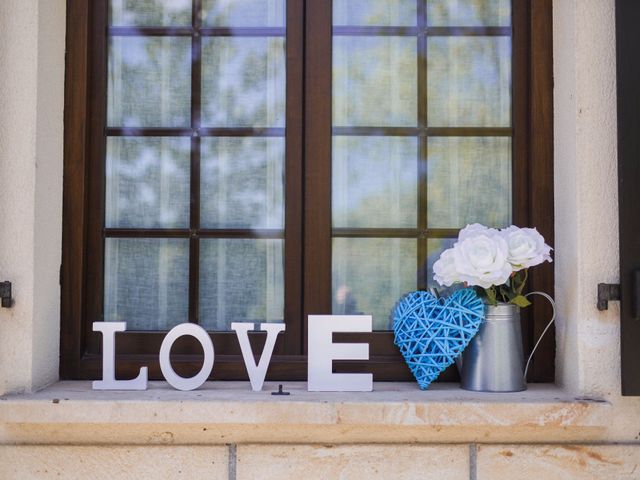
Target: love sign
(322, 352)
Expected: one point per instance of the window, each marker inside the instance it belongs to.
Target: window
(262, 160)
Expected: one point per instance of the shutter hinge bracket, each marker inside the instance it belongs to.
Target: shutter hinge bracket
(607, 292)
(6, 301)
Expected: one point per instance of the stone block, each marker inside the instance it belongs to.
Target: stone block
(347, 462)
(113, 462)
(559, 462)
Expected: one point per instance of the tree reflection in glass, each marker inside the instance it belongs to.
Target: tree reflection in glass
(421, 146)
(415, 151)
(165, 143)
(149, 82)
(243, 82)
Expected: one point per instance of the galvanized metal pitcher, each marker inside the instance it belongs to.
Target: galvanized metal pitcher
(493, 361)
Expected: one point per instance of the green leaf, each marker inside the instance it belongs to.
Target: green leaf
(521, 301)
(491, 296)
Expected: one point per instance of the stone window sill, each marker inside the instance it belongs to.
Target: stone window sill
(229, 412)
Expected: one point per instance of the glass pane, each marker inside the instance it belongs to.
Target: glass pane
(241, 280)
(243, 82)
(469, 181)
(146, 282)
(149, 82)
(398, 13)
(147, 182)
(435, 246)
(375, 181)
(244, 13)
(371, 274)
(374, 81)
(469, 13)
(242, 182)
(150, 13)
(469, 81)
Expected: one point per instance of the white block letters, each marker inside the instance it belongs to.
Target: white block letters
(200, 334)
(322, 352)
(109, 381)
(257, 372)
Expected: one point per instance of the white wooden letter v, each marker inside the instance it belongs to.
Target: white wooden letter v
(259, 371)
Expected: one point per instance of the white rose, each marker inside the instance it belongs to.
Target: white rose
(444, 270)
(476, 229)
(482, 260)
(526, 247)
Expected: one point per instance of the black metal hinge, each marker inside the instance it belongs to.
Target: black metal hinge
(5, 295)
(607, 292)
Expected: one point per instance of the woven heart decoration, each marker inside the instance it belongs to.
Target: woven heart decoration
(431, 333)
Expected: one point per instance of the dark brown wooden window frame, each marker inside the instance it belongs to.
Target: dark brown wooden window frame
(308, 230)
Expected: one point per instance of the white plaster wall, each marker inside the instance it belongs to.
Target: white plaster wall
(565, 191)
(31, 132)
(48, 194)
(586, 193)
(588, 356)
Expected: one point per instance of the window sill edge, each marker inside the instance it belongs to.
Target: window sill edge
(229, 412)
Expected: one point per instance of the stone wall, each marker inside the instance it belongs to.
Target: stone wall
(322, 462)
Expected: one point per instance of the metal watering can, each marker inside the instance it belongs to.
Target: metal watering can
(493, 361)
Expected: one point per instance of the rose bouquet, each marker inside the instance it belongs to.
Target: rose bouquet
(495, 262)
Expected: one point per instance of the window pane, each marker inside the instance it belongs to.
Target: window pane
(150, 13)
(397, 13)
(244, 13)
(146, 282)
(243, 82)
(242, 182)
(241, 280)
(149, 83)
(435, 246)
(371, 274)
(469, 81)
(375, 181)
(147, 182)
(469, 13)
(469, 181)
(374, 81)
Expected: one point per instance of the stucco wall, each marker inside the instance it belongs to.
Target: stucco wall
(588, 362)
(31, 132)
(586, 193)
(585, 142)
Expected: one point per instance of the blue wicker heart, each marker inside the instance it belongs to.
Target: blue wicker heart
(431, 333)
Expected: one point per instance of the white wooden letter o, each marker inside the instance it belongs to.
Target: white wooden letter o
(200, 334)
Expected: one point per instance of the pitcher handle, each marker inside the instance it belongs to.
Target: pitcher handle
(553, 317)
